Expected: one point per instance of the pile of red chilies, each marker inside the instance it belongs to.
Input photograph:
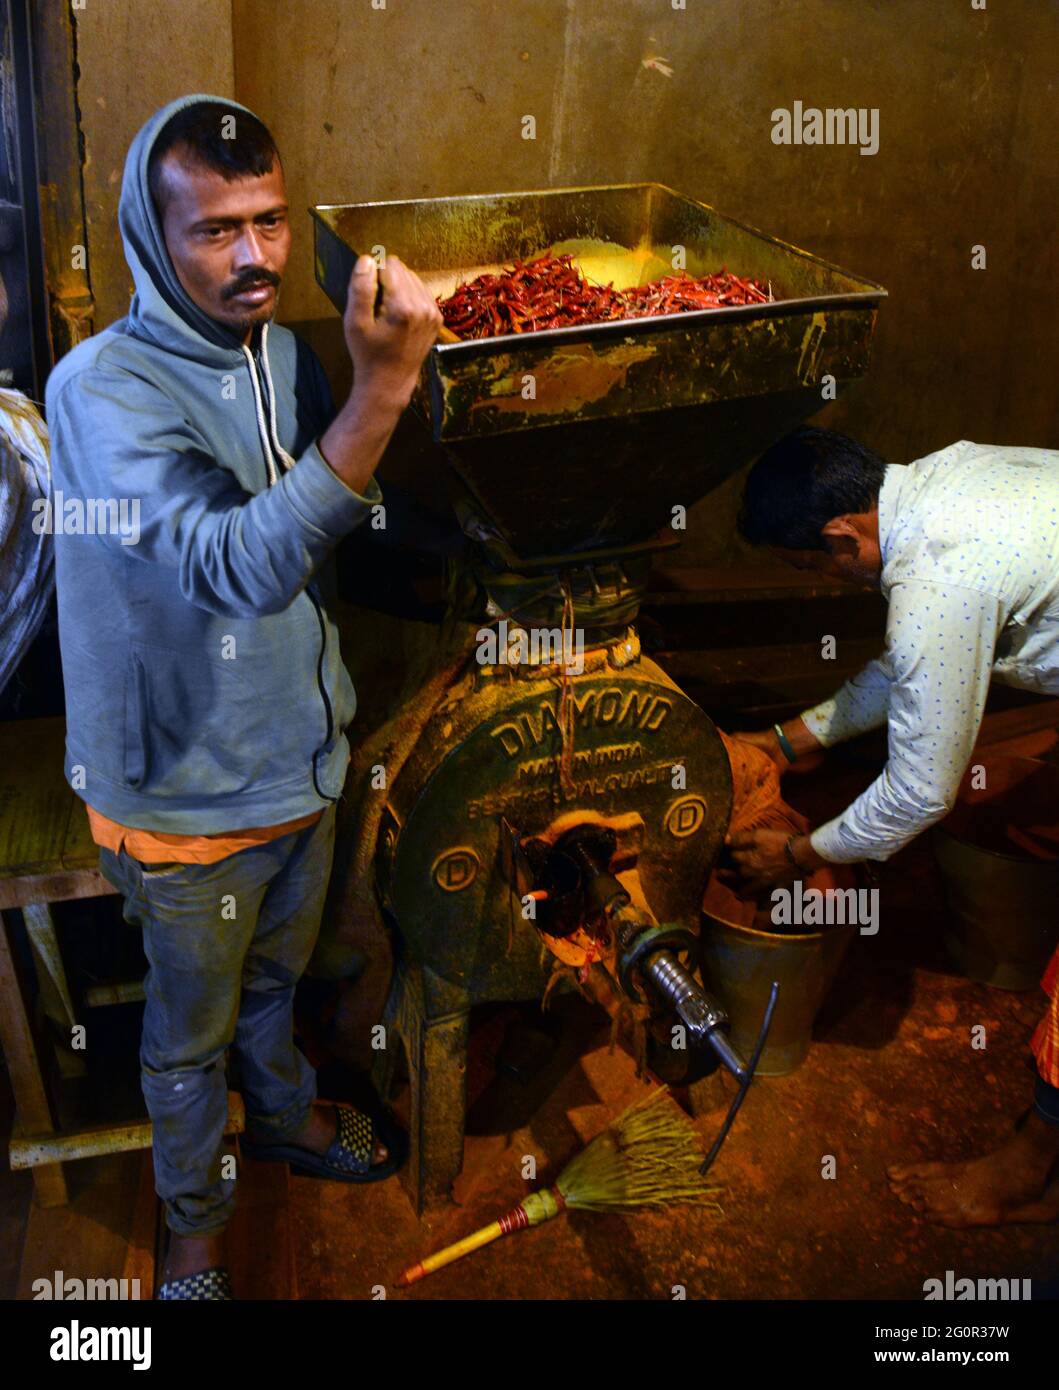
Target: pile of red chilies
(550, 292)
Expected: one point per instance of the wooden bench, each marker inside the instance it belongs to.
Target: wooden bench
(47, 855)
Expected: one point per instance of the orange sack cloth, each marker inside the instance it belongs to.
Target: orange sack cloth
(758, 804)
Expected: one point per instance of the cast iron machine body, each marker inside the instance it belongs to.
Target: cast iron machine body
(558, 812)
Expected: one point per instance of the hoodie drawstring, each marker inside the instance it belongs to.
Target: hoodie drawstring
(267, 432)
(284, 457)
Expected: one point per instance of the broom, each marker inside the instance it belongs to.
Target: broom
(647, 1158)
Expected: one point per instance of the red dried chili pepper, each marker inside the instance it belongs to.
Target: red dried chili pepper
(551, 292)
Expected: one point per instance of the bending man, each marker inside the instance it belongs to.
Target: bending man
(964, 545)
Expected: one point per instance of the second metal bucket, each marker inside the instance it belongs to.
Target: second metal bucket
(740, 963)
(998, 852)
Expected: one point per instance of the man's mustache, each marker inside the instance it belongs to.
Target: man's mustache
(249, 281)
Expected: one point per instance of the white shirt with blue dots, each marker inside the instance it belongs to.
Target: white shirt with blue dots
(970, 553)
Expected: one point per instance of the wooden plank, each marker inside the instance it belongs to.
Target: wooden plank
(756, 702)
(54, 990)
(260, 1236)
(682, 584)
(16, 1198)
(44, 826)
(60, 171)
(773, 669)
(54, 887)
(33, 1108)
(118, 992)
(29, 1150)
(141, 1253)
(79, 850)
(35, 801)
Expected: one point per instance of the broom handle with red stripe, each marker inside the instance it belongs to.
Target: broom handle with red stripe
(533, 1210)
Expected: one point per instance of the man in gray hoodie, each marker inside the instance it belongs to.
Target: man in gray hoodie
(202, 477)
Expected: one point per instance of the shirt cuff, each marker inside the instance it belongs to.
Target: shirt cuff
(827, 841)
(322, 501)
(819, 719)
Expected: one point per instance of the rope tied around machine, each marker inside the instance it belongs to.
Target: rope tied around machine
(566, 694)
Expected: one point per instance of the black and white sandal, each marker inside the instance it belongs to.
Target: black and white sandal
(348, 1159)
(210, 1285)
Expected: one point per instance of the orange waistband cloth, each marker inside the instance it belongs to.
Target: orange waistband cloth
(1045, 1041)
(153, 847)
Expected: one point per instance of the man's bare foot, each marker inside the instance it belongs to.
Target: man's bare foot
(317, 1134)
(193, 1255)
(1009, 1186)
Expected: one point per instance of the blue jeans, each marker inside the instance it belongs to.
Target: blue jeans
(226, 943)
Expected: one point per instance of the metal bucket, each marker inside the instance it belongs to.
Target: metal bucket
(998, 853)
(740, 963)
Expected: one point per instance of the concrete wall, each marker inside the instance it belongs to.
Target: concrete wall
(134, 56)
(425, 98)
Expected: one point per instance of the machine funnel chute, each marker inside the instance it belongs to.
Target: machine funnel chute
(586, 437)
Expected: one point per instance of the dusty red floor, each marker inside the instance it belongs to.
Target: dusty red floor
(890, 1075)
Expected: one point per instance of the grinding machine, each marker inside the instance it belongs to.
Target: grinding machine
(559, 803)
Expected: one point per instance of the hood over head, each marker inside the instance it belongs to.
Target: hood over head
(161, 309)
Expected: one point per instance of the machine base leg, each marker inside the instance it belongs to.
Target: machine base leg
(436, 1050)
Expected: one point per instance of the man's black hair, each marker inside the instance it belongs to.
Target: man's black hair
(200, 133)
(804, 481)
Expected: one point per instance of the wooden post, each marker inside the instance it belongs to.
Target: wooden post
(32, 1108)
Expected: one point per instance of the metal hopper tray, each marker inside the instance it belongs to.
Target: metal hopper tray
(627, 418)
